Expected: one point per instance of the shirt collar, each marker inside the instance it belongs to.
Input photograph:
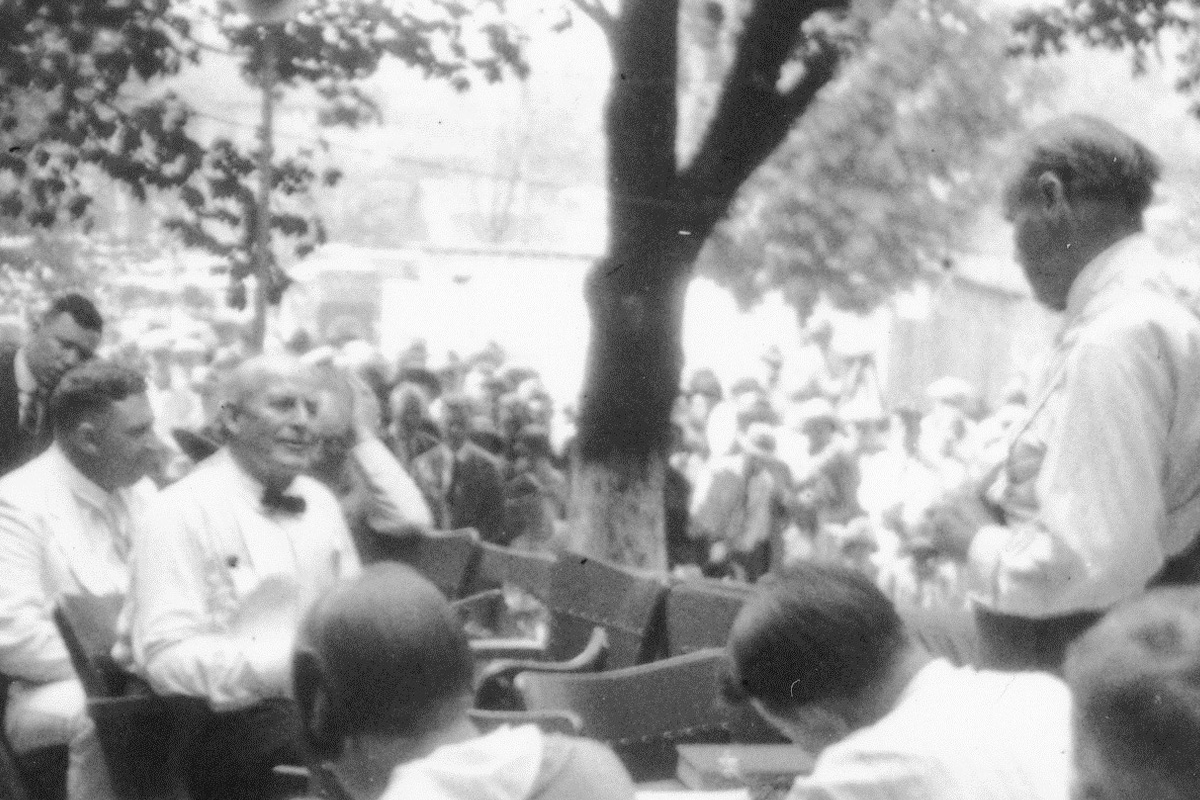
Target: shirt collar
(26, 381)
(1103, 270)
(80, 485)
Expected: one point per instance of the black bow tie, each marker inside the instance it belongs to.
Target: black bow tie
(275, 500)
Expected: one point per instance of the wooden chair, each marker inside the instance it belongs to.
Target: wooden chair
(700, 613)
(447, 558)
(602, 615)
(144, 737)
(643, 711)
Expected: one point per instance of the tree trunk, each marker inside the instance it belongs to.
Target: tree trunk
(631, 381)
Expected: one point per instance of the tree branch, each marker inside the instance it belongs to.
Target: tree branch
(753, 116)
(595, 10)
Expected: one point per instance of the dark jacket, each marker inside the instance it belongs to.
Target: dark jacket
(16, 445)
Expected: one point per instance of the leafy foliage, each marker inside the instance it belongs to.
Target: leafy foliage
(1139, 26)
(881, 176)
(86, 85)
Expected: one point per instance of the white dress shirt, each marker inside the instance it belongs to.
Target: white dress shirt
(60, 534)
(956, 734)
(220, 584)
(1102, 481)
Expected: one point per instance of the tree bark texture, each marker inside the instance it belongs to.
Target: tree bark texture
(659, 218)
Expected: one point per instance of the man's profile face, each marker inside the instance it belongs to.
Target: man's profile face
(58, 344)
(274, 428)
(127, 442)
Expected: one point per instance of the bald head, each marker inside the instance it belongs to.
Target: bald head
(381, 655)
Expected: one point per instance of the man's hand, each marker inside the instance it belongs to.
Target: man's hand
(954, 521)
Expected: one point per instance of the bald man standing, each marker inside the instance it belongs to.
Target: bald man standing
(226, 564)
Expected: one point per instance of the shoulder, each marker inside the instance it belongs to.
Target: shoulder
(584, 768)
(30, 483)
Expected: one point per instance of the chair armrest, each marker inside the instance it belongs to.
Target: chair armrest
(506, 649)
(563, 721)
(494, 686)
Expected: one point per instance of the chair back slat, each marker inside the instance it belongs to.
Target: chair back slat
(587, 592)
(88, 626)
(700, 613)
(500, 565)
(641, 711)
(446, 558)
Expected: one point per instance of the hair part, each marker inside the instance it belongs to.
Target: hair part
(1093, 159)
(90, 389)
(80, 308)
(814, 633)
(1135, 682)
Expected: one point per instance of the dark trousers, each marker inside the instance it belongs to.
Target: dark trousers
(1013, 644)
(234, 752)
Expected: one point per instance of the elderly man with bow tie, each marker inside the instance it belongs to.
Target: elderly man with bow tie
(225, 566)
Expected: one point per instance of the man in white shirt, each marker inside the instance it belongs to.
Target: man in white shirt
(1100, 489)
(65, 521)
(227, 563)
(822, 654)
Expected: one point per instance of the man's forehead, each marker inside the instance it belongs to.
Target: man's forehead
(64, 326)
(133, 412)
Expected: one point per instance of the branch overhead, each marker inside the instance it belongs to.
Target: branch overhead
(754, 113)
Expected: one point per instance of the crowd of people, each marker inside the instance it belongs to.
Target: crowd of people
(232, 505)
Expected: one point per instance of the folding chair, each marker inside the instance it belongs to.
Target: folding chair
(700, 613)
(643, 711)
(602, 615)
(447, 558)
(144, 737)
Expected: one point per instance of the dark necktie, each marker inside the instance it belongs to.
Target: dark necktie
(276, 501)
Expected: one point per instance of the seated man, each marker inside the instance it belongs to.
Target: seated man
(1135, 680)
(64, 529)
(227, 562)
(822, 655)
(383, 683)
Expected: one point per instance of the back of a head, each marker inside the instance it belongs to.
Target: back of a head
(1135, 683)
(383, 654)
(813, 633)
(1093, 158)
(90, 389)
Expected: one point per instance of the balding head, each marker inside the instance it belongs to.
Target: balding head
(1135, 683)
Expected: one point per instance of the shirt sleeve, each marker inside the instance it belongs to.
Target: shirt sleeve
(1091, 534)
(179, 641)
(30, 645)
(394, 501)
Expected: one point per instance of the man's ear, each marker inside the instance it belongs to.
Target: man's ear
(1052, 192)
(318, 712)
(86, 438)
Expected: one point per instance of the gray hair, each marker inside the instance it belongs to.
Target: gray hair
(1092, 157)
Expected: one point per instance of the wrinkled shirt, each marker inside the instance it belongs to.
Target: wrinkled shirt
(956, 734)
(220, 584)
(1102, 480)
